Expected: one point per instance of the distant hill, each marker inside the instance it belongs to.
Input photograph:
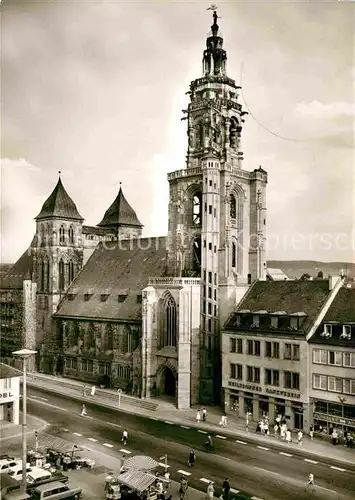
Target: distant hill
(295, 268)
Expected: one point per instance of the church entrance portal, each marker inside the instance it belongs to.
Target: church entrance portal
(169, 383)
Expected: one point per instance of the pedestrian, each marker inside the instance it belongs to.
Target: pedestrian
(84, 390)
(204, 414)
(226, 488)
(310, 483)
(276, 430)
(192, 458)
(93, 390)
(167, 476)
(311, 432)
(210, 491)
(108, 480)
(124, 437)
(183, 488)
(83, 412)
(198, 416)
(288, 436)
(266, 428)
(283, 431)
(334, 437)
(300, 437)
(160, 490)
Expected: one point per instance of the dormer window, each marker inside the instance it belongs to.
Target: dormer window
(256, 321)
(122, 298)
(294, 323)
(71, 296)
(87, 296)
(327, 332)
(346, 333)
(139, 298)
(104, 297)
(273, 322)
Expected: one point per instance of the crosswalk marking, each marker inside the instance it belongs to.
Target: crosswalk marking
(285, 454)
(240, 442)
(263, 448)
(310, 461)
(184, 472)
(167, 422)
(337, 468)
(123, 450)
(185, 427)
(93, 440)
(256, 498)
(163, 465)
(108, 445)
(77, 434)
(234, 491)
(204, 480)
(220, 437)
(202, 432)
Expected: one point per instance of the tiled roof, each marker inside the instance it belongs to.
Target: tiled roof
(21, 270)
(276, 274)
(120, 213)
(7, 371)
(93, 230)
(288, 296)
(59, 204)
(112, 268)
(343, 307)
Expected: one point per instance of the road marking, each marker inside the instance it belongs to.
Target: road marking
(184, 472)
(263, 448)
(327, 489)
(108, 445)
(39, 397)
(285, 454)
(163, 465)
(202, 432)
(256, 498)
(77, 434)
(154, 418)
(185, 427)
(220, 437)
(123, 450)
(93, 440)
(47, 404)
(267, 471)
(204, 480)
(241, 442)
(310, 461)
(337, 468)
(88, 416)
(234, 491)
(167, 422)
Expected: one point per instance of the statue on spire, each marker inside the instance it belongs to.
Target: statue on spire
(215, 16)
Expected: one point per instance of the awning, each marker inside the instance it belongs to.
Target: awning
(140, 462)
(136, 480)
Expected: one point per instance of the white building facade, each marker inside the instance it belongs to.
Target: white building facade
(9, 394)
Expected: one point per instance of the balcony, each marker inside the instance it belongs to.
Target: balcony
(171, 281)
(187, 172)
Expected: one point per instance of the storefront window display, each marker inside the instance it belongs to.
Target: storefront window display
(330, 416)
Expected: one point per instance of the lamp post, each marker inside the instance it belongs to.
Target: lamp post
(24, 354)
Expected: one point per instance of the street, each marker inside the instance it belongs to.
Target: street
(256, 470)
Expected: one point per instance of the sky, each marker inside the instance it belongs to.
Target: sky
(95, 89)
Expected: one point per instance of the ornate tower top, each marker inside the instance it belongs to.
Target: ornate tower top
(214, 57)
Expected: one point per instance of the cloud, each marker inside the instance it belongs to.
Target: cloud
(319, 111)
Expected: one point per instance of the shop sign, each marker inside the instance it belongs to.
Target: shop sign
(335, 420)
(268, 390)
(6, 395)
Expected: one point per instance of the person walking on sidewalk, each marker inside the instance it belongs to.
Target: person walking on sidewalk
(84, 390)
(204, 414)
(198, 416)
(124, 437)
(310, 483)
(226, 488)
(183, 488)
(335, 437)
(83, 412)
(300, 437)
(288, 436)
(210, 491)
(311, 432)
(93, 390)
(192, 458)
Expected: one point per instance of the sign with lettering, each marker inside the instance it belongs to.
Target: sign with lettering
(268, 390)
(6, 395)
(335, 420)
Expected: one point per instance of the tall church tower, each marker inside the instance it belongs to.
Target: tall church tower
(217, 210)
(57, 258)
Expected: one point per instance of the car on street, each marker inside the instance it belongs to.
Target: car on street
(16, 472)
(55, 491)
(8, 463)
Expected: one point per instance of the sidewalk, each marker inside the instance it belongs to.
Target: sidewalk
(9, 430)
(164, 411)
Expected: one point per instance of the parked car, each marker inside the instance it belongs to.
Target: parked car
(55, 491)
(16, 472)
(38, 475)
(8, 463)
(57, 476)
(11, 489)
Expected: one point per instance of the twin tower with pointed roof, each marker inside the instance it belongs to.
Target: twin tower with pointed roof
(149, 315)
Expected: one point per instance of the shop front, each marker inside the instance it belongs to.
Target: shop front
(328, 416)
(10, 400)
(252, 402)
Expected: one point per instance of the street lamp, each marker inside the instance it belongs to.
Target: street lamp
(24, 354)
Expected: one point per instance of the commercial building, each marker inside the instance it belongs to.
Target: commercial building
(265, 367)
(9, 394)
(332, 367)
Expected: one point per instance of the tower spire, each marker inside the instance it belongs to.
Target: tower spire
(214, 57)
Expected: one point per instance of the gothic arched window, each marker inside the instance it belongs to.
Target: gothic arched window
(169, 323)
(234, 254)
(108, 338)
(232, 207)
(74, 334)
(41, 276)
(91, 336)
(197, 209)
(41, 236)
(196, 255)
(70, 271)
(61, 235)
(233, 133)
(61, 275)
(71, 235)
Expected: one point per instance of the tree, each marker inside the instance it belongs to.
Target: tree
(305, 277)
(320, 275)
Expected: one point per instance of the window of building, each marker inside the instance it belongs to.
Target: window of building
(320, 356)
(210, 277)
(327, 329)
(253, 374)
(210, 246)
(197, 209)
(61, 235)
(210, 209)
(70, 271)
(272, 349)
(87, 365)
(236, 371)
(209, 308)
(232, 207)
(196, 255)
(320, 382)
(234, 254)
(236, 345)
(253, 347)
(209, 325)
(346, 333)
(91, 336)
(71, 235)
(349, 359)
(335, 384)
(124, 372)
(272, 377)
(170, 323)
(61, 275)
(209, 292)
(291, 380)
(104, 368)
(108, 338)
(335, 358)
(292, 351)
(348, 386)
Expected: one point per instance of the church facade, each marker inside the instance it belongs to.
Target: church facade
(146, 314)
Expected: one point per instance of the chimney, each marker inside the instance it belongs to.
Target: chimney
(332, 281)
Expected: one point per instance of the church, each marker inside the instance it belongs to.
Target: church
(104, 305)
